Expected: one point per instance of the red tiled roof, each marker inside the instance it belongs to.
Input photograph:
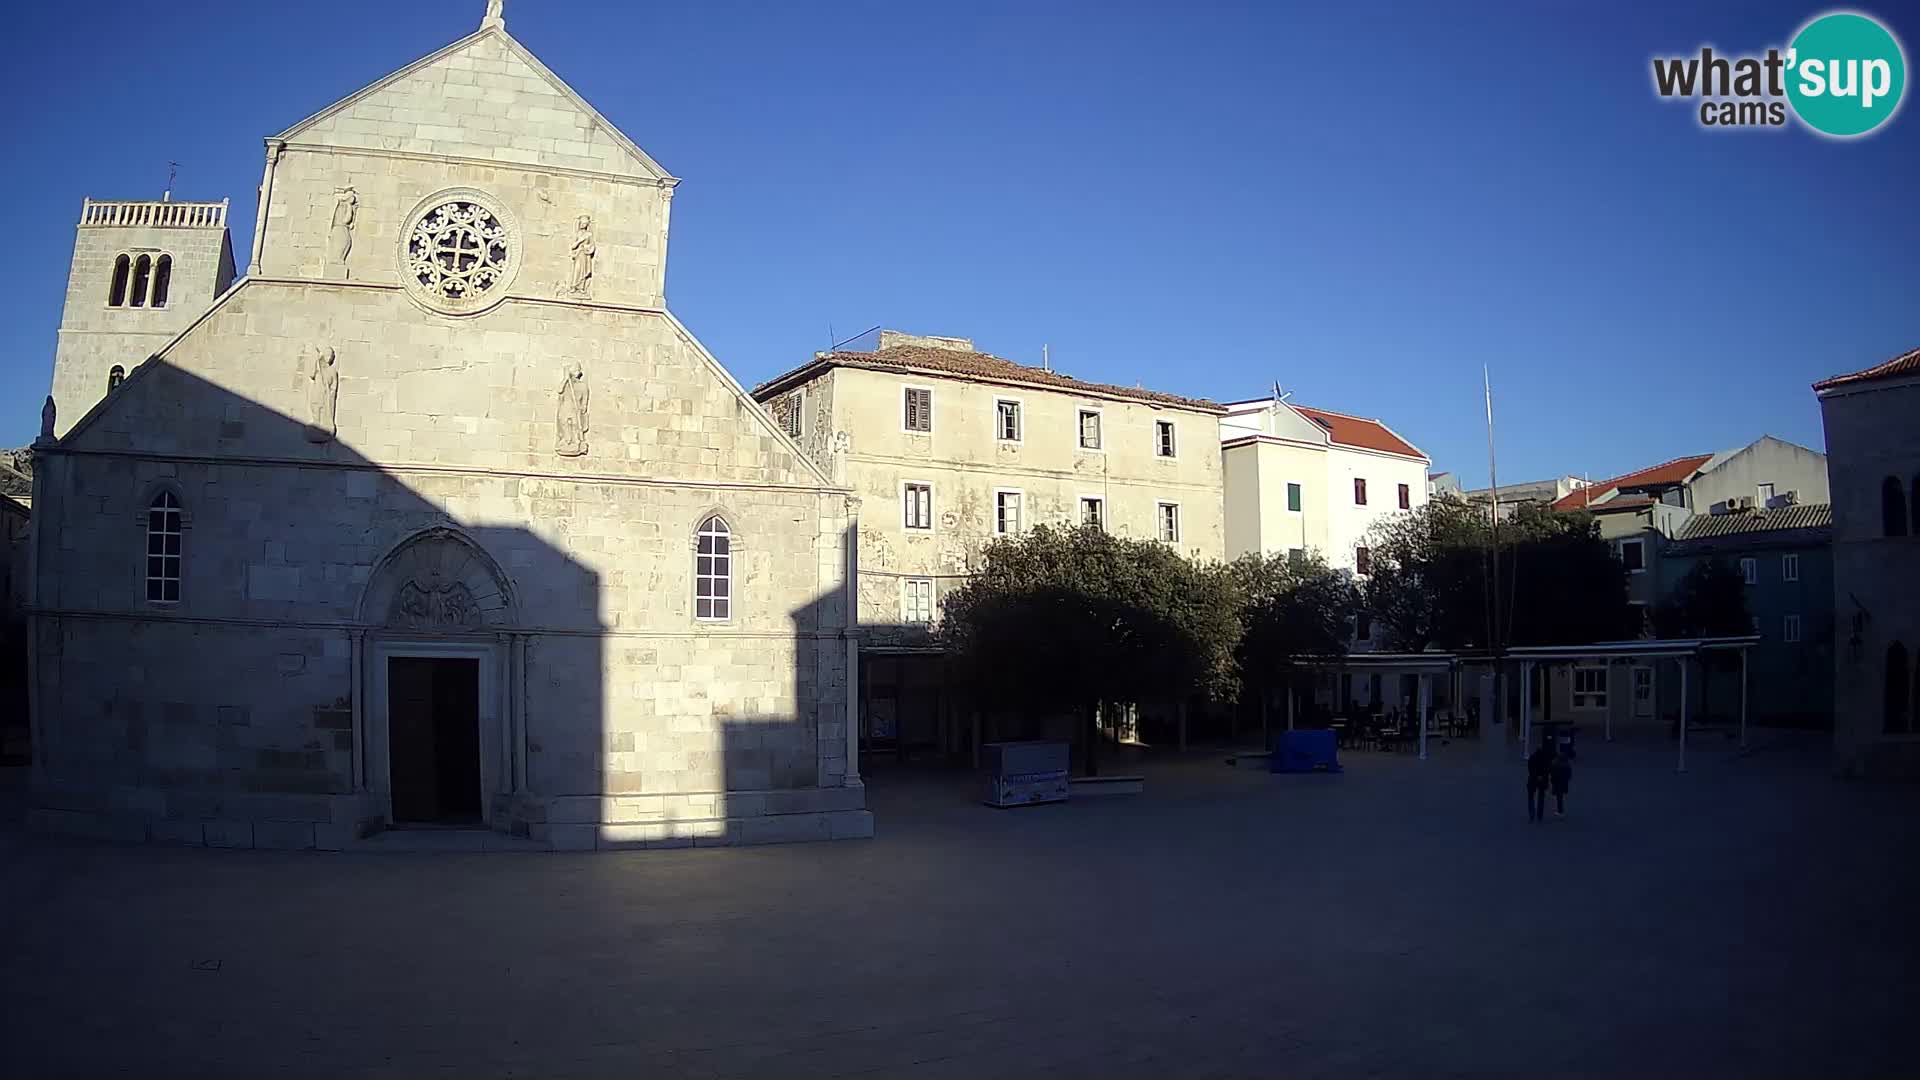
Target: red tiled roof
(984, 367)
(1667, 472)
(1358, 431)
(1904, 364)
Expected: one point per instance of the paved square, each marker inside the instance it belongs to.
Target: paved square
(1751, 917)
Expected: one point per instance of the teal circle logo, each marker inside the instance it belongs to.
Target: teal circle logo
(1845, 74)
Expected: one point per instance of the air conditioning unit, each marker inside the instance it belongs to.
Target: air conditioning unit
(1740, 502)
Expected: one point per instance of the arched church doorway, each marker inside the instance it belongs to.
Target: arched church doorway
(439, 657)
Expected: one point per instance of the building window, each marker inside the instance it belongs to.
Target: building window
(916, 601)
(1634, 554)
(1898, 708)
(713, 571)
(1589, 688)
(1789, 568)
(1293, 497)
(1359, 492)
(1296, 556)
(1762, 495)
(791, 411)
(142, 275)
(1093, 512)
(1007, 421)
(458, 253)
(115, 376)
(916, 505)
(1006, 512)
(1893, 508)
(1363, 627)
(1750, 570)
(1791, 630)
(1163, 438)
(1362, 561)
(1170, 522)
(1406, 497)
(162, 280)
(1089, 429)
(122, 271)
(919, 409)
(163, 549)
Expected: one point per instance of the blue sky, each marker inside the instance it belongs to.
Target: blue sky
(1364, 202)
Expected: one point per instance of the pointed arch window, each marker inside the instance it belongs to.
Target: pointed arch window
(1899, 715)
(162, 280)
(713, 570)
(163, 548)
(115, 377)
(122, 272)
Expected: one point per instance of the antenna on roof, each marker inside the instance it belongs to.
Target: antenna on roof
(173, 170)
(835, 347)
(1280, 396)
(1046, 359)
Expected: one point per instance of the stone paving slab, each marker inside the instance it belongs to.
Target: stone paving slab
(1752, 917)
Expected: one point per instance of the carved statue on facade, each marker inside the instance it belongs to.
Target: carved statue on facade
(570, 421)
(495, 16)
(584, 249)
(46, 419)
(317, 365)
(346, 208)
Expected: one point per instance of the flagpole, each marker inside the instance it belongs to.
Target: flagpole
(1493, 526)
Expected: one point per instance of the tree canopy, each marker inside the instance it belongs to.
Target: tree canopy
(1430, 580)
(1710, 601)
(1291, 607)
(1058, 619)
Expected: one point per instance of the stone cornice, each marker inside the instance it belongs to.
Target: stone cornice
(663, 185)
(343, 626)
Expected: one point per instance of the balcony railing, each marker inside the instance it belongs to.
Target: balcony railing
(154, 215)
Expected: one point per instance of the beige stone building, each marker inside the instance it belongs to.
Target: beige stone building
(947, 447)
(437, 516)
(1873, 448)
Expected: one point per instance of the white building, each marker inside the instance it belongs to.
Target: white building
(436, 517)
(1303, 479)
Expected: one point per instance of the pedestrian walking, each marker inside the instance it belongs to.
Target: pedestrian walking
(1539, 776)
(1562, 776)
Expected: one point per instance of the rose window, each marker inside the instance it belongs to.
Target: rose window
(458, 252)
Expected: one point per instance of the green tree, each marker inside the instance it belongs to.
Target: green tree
(1709, 601)
(1431, 579)
(1290, 608)
(1058, 620)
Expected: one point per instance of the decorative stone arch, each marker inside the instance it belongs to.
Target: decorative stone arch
(440, 580)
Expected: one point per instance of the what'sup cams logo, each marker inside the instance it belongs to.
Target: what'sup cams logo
(1843, 76)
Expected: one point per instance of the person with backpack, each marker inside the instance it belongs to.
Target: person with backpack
(1540, 766)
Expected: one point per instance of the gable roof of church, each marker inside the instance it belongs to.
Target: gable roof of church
(640, 157)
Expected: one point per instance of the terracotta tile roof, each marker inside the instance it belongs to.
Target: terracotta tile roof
(1667, 472)
(1801, 516)
(979, 366)
(1904, 364)
(1360, 431)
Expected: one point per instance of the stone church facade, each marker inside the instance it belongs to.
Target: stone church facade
(437, 515)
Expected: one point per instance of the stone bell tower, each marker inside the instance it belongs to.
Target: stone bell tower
(142, 272)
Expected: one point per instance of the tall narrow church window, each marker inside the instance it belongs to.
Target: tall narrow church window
(162, 280)
(142, 274)
(1893, 508)
(713, 570)
(122, 270)
(115, 377)
(163, 549)
(1898, 718)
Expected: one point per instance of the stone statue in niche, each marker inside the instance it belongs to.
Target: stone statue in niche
(317, 366)
(46, 419)
(423, 605)
(346, 208)
(570, 421)
(584, 249)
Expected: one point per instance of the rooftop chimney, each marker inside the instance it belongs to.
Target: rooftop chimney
(894, 339)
